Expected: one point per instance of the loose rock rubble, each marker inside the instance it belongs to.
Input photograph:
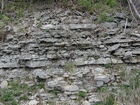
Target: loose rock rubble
(57, 38)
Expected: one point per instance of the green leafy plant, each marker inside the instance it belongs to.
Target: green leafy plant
(82, 94)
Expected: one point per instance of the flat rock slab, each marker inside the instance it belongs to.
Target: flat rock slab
(82, 26)
(70, 26)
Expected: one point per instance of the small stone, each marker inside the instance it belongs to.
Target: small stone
(108, 60)
(93, 98)
(101, 46)
(98, 71)
(4, 84)
(33, 102)
(114, 47)
(120, 15)
(128, 55)
(99, 83)
(71, 88)
(79, 61)
(52, 84)
(104, 78)
(85, 103)
(1, 103)
(41, 90)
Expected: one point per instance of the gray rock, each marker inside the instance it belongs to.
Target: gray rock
(120, 15)
(99, 83)
(87, 21)
(108, 60)
(13, 47)
(109, 25)
(113, 31)
(48, 40)
(85, 103)
(128, 55)
(34, 64)
(114, 47)
(71, 88)
(79, 61)
(82, 26)
(2, 73)
(93, 99)
(16, 73)
(40, 74)
(72, 21)
(115, 61)
(104, 78)
(52, 84)
(10, 65)
(56, 83)
(9, 37)
(45, 96)
(1, 103)
(50, 26)
(123, 24)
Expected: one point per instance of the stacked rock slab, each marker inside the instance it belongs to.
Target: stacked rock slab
(61, 37)
(67, 36)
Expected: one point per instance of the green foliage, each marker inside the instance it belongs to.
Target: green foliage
(109, 100)
(73, 8)
(1, 25)
(89, 4)
(7, 97)
(107, 65)
(23, 97)
(54, 92)
(41, 86)
(129, 92)
(16, 91)
(82, 94)
(135, 79)
(51, 103)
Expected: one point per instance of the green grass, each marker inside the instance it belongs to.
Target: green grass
(15, 93)
(53, 92)
(41, 86)
(124, 93)
(69, 67)
(107, 65)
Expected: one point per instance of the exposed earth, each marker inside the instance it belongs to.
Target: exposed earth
(68, 52)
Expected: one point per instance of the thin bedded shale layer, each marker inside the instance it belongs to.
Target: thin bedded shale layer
(69, 37)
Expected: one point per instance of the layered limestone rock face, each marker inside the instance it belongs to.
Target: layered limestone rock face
(52, 41)
(69, 37)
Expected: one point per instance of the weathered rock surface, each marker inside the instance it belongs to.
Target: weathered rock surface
(46, 54)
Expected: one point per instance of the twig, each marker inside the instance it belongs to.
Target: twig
(135, 9)
(125, 26)
(131, 10)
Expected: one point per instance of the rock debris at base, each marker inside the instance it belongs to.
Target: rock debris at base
(58, 37)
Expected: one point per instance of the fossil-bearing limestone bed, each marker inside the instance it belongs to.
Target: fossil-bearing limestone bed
(66, 51)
